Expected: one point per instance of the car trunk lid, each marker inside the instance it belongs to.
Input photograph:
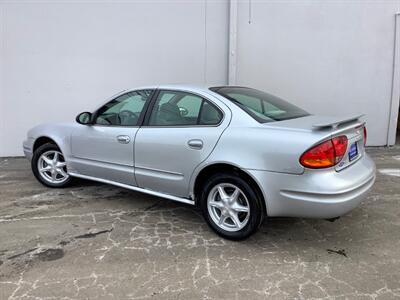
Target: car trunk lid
(326, 127)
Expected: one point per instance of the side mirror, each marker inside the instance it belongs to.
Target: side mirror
(84, 118)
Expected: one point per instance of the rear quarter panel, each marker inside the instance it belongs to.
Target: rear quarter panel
(263, 148)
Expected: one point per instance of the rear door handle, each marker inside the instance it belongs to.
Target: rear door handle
(195, 144)
(123, 139)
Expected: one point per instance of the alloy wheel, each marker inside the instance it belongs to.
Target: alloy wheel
(52, 167)
(228, 207)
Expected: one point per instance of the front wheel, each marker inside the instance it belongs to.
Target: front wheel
(231, 207)
(49, 166)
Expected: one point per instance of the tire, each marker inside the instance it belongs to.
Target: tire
(214, 207)
(45, 153)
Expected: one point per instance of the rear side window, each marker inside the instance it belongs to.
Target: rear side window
(261, 106)
(176, 108)
(210, 115)
(189, 106)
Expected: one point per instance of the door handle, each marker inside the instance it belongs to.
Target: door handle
(195, 144)
(123, 139)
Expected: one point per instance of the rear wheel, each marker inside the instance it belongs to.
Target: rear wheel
(49, 166)
(231, 207)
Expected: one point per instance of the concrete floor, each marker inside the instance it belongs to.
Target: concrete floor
(95, 241)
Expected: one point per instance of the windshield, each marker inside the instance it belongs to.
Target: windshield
(261, 106)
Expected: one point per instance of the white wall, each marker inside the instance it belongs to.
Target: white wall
(59, 58)
(329, 57)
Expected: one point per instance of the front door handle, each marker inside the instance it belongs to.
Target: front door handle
(123, 139)
(195, 144)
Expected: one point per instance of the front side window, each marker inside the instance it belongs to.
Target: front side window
(175, 108)
(124, 110)
(261, 106)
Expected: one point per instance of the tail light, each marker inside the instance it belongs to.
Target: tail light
(365, 135)
(326, 154)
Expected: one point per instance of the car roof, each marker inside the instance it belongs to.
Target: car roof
(183, 87)
(187, 87)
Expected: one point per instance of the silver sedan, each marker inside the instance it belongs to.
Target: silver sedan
(238, 153)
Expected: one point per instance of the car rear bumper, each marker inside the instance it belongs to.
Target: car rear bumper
(316, 193)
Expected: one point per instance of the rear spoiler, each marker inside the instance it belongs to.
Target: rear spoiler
(334, 122)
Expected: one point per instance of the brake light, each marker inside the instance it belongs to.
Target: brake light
(365, 135)
(326, 154)
(340, 145)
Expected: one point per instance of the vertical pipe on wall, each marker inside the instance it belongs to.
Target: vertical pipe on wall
(205, 42)
(232, 59)
(395, 97)
(249, 11)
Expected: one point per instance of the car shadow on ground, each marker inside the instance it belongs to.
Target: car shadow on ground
(282, 231)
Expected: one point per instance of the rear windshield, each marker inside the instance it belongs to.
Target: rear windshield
(261, 106)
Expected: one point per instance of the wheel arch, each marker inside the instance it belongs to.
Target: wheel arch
(43, 140)
(222, 167)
